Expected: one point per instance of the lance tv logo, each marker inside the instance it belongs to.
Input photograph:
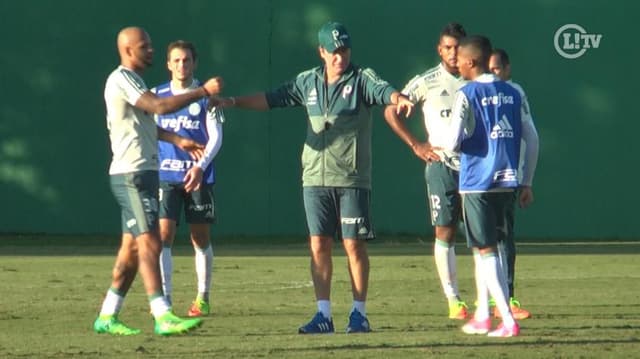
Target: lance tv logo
(572, 41)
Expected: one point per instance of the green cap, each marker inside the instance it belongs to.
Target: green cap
(333, 36)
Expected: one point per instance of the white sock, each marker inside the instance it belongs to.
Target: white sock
(453, 271)
(491, 272)
(360, 307)
(159, 306)
(112, 303)
(441, 254)
(482, 308)
(166, 270)
(324, 307)
(204, 268)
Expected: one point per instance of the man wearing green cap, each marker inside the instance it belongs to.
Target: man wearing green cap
(336, 163)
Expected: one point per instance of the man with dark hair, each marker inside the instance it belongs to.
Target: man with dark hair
(187, 185)
(500, 65)
(434, 90)
(336, 164)
(487, 127)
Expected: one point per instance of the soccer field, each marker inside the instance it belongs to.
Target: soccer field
(584, 298)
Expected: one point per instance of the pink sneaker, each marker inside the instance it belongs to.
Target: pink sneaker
(477, 326)
(503, 332)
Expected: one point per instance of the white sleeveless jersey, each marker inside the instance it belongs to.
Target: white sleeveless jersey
(435, 89)
(132, 131)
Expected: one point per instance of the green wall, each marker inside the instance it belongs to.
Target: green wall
(54, 150)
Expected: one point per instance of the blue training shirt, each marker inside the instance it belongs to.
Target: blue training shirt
(189, 122)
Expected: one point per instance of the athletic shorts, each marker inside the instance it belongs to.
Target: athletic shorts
(338, 212)
(442, 194)
(488, 217)
(198, 206)
(137, 195)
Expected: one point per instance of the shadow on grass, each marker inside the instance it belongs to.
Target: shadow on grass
(498, 342)
(47, 245)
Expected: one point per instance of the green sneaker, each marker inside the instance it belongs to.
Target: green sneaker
(199, 308)
(170, 324)
(110, 324)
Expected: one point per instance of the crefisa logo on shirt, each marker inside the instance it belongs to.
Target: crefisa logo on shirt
(572, 41)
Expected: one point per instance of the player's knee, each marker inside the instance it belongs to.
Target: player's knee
(445, 233)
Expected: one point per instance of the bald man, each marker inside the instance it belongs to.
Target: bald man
(134, 181)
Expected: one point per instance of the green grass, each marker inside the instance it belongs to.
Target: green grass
(584, 297)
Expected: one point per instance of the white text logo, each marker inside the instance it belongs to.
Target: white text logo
(572, 41)
(352, 220)
(497, 100)
(502, 129)
(181, 122)
(507, 175)
(169, 164)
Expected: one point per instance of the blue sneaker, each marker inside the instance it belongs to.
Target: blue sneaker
(358, 323)
(318, 325)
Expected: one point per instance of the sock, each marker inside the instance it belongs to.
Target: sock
(441, 255)
(360, 307)
(482, 308)
(503, 267)
(112, 302)
(204, 269)
(453, 271)
(493, 278)
(166, 270)
(159, 305)
(324, 307)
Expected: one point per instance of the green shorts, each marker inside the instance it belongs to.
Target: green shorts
(137, 195)
(338, 211)
(488, 217)
(199, 206)
(442, 194)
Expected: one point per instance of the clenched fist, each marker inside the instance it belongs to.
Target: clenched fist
(214, 85)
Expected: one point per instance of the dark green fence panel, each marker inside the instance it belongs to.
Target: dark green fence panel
(54, 150)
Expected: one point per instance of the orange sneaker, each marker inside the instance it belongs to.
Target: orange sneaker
(517, 311)
(199, 308)
(458, 310)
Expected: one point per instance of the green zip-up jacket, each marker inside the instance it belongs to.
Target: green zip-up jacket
(337, 150)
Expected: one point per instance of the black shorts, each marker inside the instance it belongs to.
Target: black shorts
(199, 206)
(488, 217)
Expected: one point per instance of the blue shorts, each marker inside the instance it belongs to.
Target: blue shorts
(199, 206)
(338, 211)
(137, 195)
